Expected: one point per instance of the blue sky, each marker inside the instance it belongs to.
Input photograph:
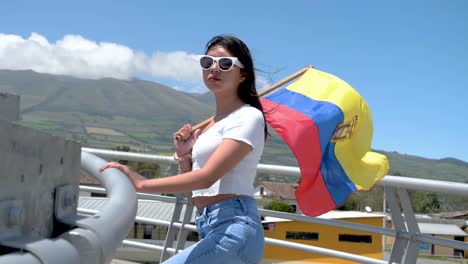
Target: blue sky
(408, 59)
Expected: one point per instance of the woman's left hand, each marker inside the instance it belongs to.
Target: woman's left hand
(184, 139)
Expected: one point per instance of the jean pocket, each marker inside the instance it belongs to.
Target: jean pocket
(220, 216)
(253, 249)
(246, 238)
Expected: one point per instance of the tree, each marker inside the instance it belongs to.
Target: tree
(277, 205)
(431, 203)
(351, 204)
(425, 202)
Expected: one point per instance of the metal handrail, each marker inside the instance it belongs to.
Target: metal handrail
(390, 182)
(272, 241)
(112, 223)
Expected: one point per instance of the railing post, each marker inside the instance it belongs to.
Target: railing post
(182, 238)
(412, 249)
(171, 230)
(406, 246)
(400, 243)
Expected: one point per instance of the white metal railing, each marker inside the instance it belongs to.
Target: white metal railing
(406, 232)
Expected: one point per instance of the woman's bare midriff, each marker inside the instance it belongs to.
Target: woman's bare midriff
(203, 201)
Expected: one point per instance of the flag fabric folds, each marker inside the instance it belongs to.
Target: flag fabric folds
(328, 127)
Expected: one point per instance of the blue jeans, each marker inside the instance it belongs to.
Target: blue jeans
(231, 232)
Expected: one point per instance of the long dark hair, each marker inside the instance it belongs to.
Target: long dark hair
(247, 90)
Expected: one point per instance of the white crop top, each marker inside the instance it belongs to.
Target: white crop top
(245, 124)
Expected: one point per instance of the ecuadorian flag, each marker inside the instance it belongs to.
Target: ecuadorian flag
(328, 127)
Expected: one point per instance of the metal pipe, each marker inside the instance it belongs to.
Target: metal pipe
(441, 241)
(148, 196)
(145, 220)
(297, 246)
(276, 242)
(302, 218)
(112, 154)
(142, 245)
(456, 188)
(329, 222)
(111, 223)
(389, 180)
(324, 251)
(19, 257)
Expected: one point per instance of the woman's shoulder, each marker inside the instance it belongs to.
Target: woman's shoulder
(249, 111)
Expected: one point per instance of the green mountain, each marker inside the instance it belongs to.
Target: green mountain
(107, 113)
(447, 169)
(104, 97)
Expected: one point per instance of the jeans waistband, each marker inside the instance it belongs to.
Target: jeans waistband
(242, 201)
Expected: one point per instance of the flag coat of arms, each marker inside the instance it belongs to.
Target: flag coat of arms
(328, 127)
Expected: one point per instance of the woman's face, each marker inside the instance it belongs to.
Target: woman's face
(222, 82)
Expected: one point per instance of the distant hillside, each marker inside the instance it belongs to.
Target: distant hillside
(106, 113)
(104, 97)
(448, 169)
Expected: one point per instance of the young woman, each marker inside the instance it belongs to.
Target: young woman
(218, 164)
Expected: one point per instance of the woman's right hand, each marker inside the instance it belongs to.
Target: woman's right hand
(116, 165)
(184, 139)
(134, 177)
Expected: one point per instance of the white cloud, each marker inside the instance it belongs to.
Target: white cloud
(177, 65)
(77, 56)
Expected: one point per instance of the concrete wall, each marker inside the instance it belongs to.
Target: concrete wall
(33, 166)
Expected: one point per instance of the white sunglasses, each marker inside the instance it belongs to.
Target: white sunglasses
(224, 63)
